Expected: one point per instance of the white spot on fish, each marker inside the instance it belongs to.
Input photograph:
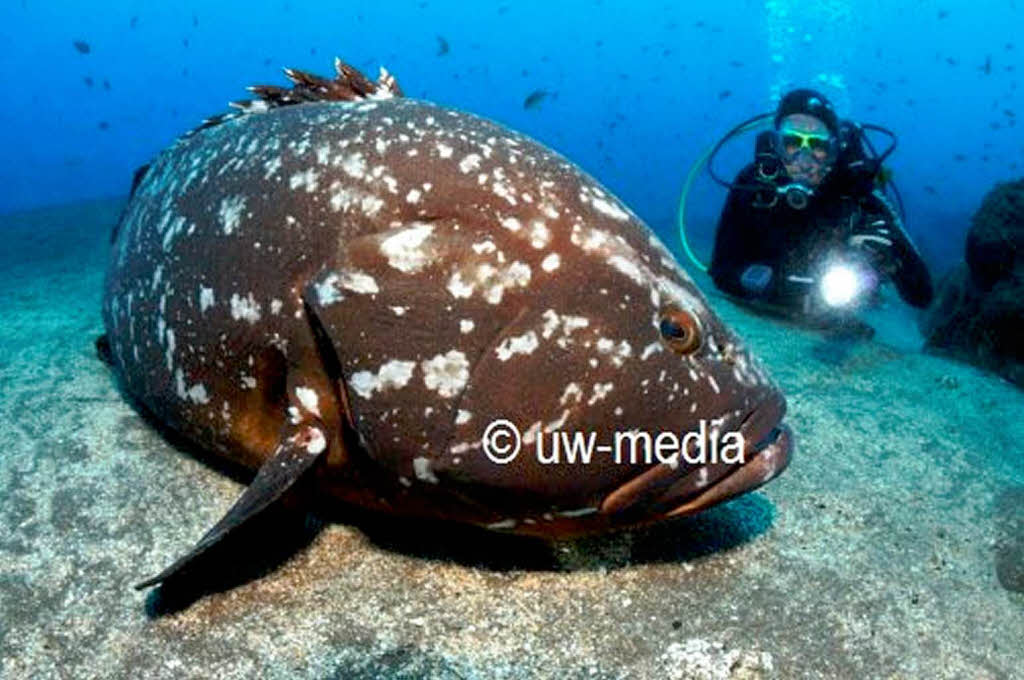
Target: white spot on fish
(551, 262)
(358, 282)
(446, 373)
(466, 325)
(444, 151)
(540, 235)
(470, 163)
(650, 349)
(601, 390)
(306, 179)
(413, 196)
(309, 400)
(463, 417)
(245, 308)
(317, 442)
(394, 374)
(354, 165)
(404, 249)
(520, 344)
(205, 298)
(511, 223)
(421, 468)
(230, 213)
(459, 288)
(627, 267)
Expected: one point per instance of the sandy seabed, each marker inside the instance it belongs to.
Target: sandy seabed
(891, 548)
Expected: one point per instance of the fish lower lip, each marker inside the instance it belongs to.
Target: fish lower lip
(663, 490)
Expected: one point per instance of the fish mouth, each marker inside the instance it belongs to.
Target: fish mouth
(665, 491)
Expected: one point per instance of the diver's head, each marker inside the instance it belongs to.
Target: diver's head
(808, 130)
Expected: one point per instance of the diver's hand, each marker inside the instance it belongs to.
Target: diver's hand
(878, 246)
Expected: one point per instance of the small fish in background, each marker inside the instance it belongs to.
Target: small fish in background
(959, 157)
(534, 99)
(88, 81)
(82, 46)
(104, 125)
(133, 22)
(929, 189)
(106, 84)
(986, 68)
(943, 14)
(195, 21)
(736, 64)
(724, 94)
(443, 47)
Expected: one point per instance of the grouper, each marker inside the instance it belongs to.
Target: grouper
(420, 312)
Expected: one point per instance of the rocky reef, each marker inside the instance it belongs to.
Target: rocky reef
(978, 315)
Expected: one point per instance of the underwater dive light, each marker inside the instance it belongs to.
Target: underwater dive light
(841, 285)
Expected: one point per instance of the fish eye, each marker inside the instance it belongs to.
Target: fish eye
(679, 330)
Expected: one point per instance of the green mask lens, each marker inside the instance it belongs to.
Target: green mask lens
(793, 141)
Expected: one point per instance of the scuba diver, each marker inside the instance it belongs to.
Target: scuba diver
(807, 229)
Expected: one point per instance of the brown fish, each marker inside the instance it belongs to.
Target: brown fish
(339, 284)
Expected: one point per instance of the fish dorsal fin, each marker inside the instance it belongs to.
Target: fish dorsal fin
(349, 84)
(301, 446)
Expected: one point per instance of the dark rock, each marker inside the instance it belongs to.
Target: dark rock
(978, 315)
(995, 242)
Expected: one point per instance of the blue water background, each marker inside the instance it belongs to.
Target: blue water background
(637, 90)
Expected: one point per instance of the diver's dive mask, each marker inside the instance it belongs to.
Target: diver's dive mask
(774, 150)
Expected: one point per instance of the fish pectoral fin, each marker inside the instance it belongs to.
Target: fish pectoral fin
(301, 446)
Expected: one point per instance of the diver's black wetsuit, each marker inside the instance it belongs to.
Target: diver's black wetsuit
(793, 242)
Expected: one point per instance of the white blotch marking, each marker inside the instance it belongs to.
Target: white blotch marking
(571, 391)
(519, 344)
(206, 299)
(421, 468)
(444, 151)
(413, 196)
(230, 213)
(358, 282)
(404, 249)
(540, 235)
(394, 374)
(466, 325)
(551, 262)
(307, 179)
(459, 288)
(317, 442)
(245, 308)
(629, 268)
(354, 165)
(470, 163)
(463, 417)
(650, 349)
(601, 391)
(309, 400)
(446, 373)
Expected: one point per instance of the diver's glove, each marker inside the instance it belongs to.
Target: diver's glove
(874, 238)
